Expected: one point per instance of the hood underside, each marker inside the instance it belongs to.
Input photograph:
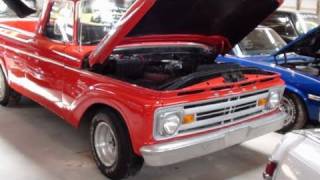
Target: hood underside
(230, 19)
(306, 45)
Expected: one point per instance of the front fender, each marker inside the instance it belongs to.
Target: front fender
(137, 118)
(297, 92)
(312, 110)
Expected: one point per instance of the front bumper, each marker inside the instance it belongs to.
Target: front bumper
(181, 150)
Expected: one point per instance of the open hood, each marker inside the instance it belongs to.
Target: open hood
(306, 45)
(204, 20)
(19, 7)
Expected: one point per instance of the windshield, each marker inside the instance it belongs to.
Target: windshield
(98, 17)
(261, 41)
(307, 22)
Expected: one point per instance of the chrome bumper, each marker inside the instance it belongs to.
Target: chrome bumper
(185, 149)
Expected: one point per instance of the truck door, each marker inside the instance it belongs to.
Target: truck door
(15, 61)
(45, 69)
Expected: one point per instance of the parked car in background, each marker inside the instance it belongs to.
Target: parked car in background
(6, 12)
(142, 75)
(296, 157)
(298, 63)
(292, 24)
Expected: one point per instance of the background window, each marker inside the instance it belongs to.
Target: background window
(282, 24)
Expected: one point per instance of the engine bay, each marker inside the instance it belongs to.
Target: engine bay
(312, 68)
(168, 68)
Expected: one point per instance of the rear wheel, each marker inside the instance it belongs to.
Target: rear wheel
(111, 146)
(297, 115)
(7, 95)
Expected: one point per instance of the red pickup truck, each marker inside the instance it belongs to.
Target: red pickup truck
(142, 74)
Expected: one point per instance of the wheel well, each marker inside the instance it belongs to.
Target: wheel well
(90, 112)
(300, 98)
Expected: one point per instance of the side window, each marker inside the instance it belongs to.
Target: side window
(61, 21)
(282, 24)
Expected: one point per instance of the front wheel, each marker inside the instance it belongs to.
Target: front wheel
(111, 146)
(297, 115)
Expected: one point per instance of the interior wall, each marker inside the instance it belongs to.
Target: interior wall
(305, 5)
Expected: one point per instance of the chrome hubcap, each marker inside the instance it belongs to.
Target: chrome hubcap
(106, 144)
(2, 86)
(288, 107)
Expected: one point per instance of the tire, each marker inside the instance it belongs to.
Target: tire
(4, 89)
(7, 95)
(296, 110)
(111, 146)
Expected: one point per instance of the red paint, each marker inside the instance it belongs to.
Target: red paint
(50, 73)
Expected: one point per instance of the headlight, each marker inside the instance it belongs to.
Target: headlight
(167, 123)
(274, 99)
(170, 125)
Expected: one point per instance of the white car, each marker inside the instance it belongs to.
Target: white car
(297, 157)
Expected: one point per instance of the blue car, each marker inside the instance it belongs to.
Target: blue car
(299, 64)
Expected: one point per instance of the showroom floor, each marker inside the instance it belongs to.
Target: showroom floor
(37, 145)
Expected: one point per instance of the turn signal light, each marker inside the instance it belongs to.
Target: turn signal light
(188, 119)
(262, 102)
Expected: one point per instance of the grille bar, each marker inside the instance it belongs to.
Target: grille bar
(206, 115)
(225, 104)
(224, 111)
(220, 124)
(230, 116)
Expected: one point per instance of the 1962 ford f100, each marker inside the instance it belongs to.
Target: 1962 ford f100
(143, 73)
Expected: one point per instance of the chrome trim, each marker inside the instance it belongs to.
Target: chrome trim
(314, 97)
(181, 150)
(226, 104)
(220, 118)
(41, 58)
(21, 31)
(150, 46)
(106, 144)
(229, 103)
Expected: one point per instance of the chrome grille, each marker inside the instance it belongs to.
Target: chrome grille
(223, 112)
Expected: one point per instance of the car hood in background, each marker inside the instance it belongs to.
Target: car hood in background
(306, 45)
(212, 22)
(310, 133)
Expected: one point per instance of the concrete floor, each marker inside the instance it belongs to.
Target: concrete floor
(37, 145)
